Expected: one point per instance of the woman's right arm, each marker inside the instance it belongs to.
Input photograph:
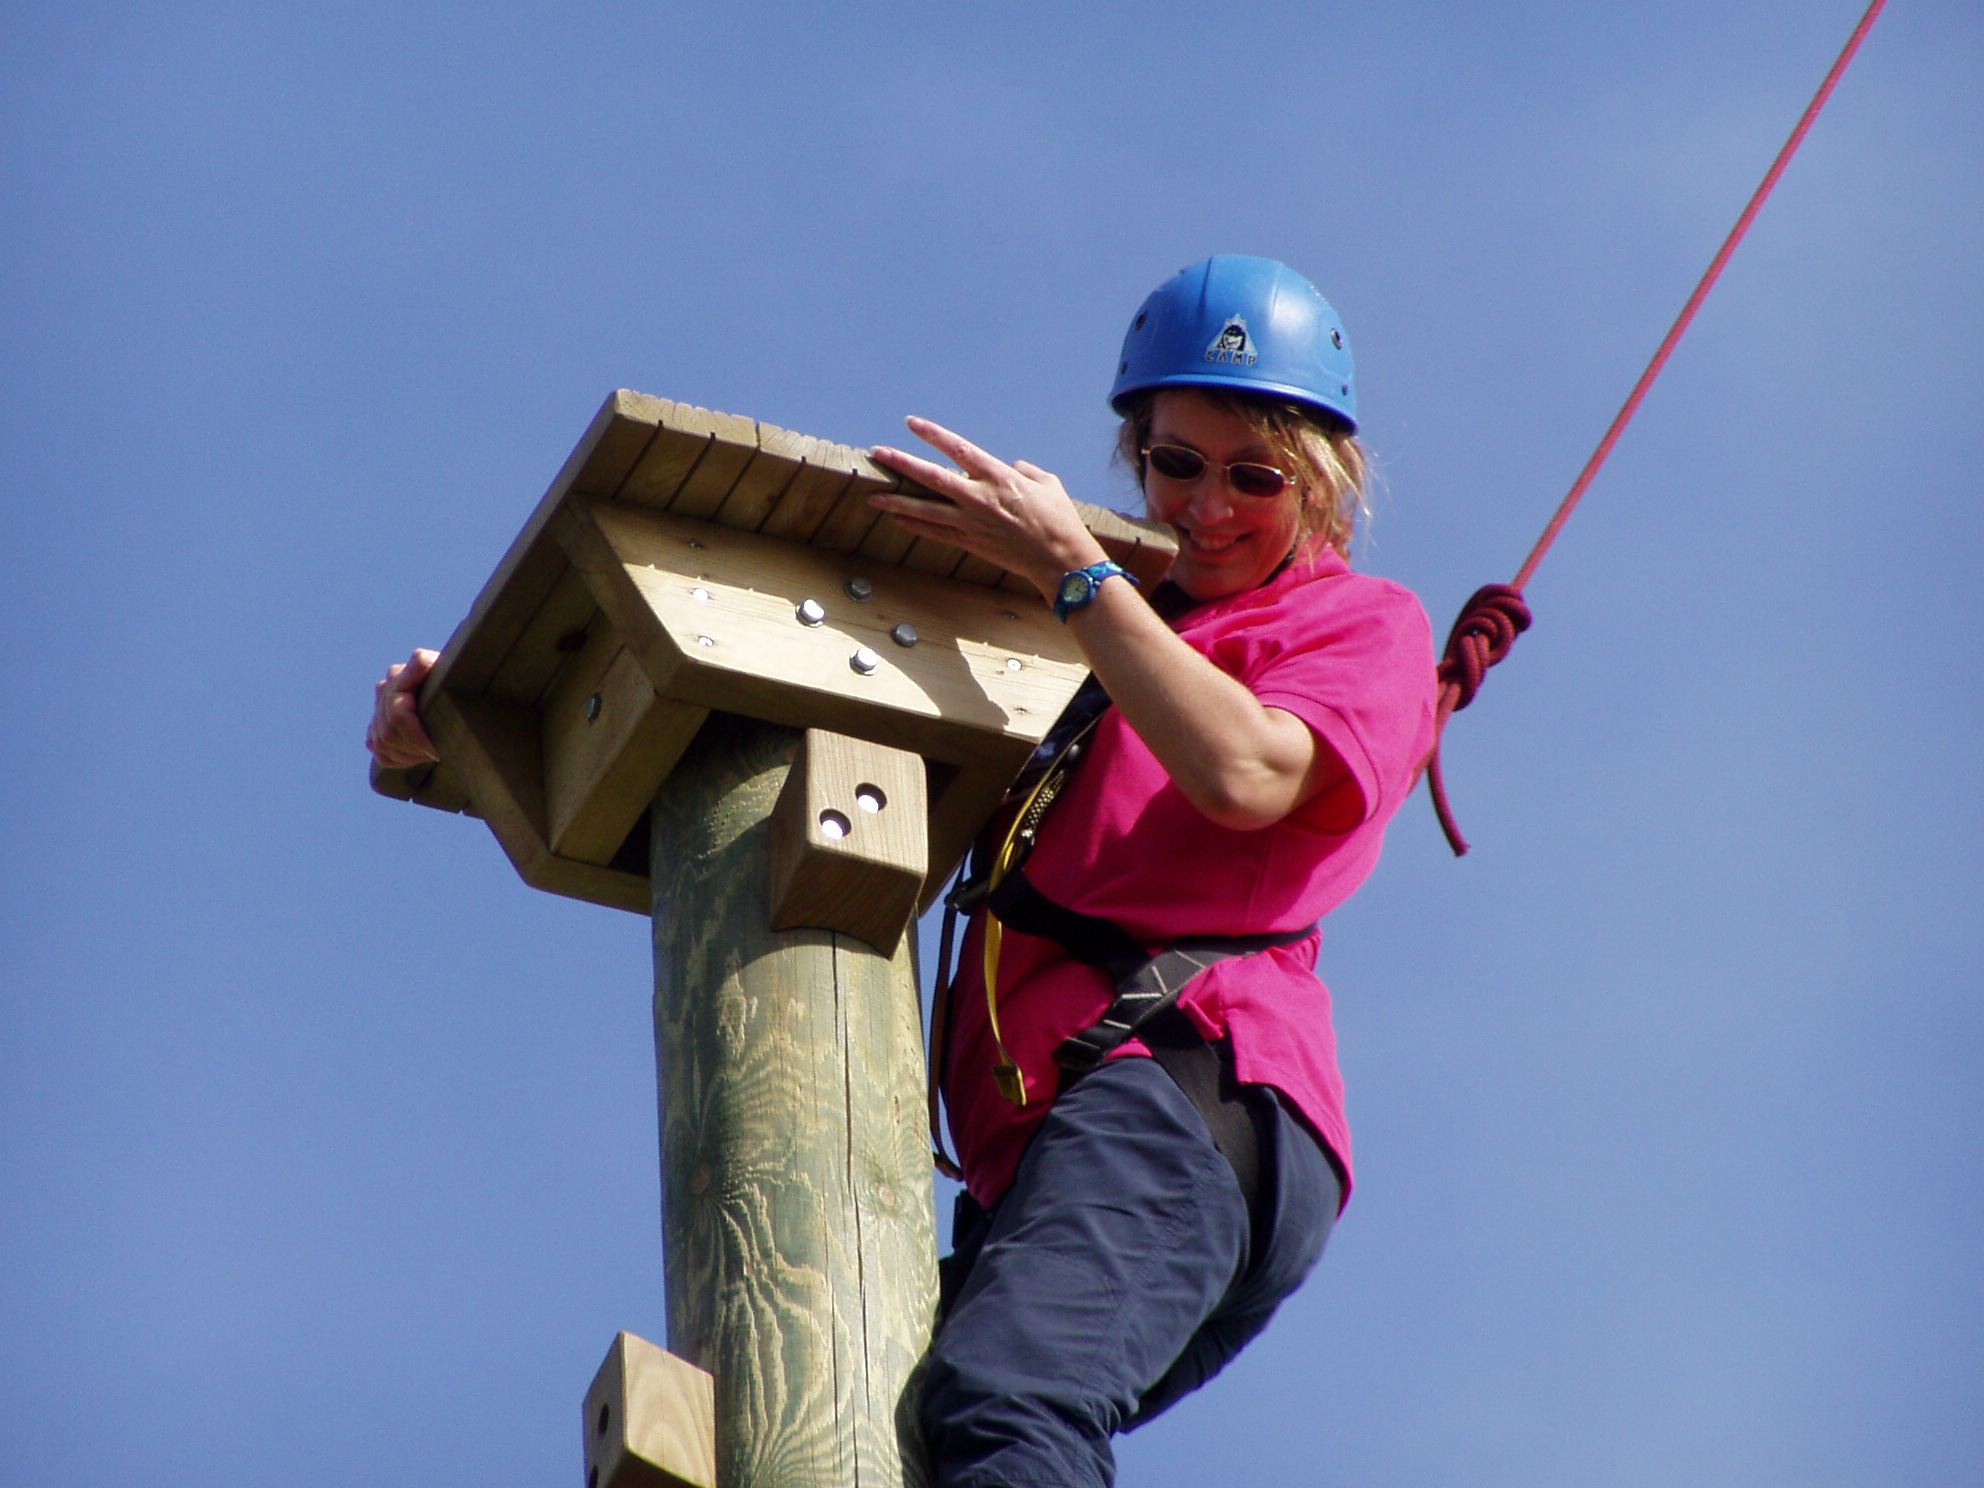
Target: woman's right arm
(395, 736)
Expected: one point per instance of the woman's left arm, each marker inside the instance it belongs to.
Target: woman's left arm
(1243, 764)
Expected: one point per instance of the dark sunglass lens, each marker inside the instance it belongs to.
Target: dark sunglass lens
(1175, 462)
(1256, 480)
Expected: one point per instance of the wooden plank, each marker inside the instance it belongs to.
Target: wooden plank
(631, 421)
(850, 844)
(781, 461)
(613, 442)
(608, 743)
(984, 674)
(683, 435)
(976, 570)
(733, 445)
(796, 1195)
(815, 491)
(847, 526)
(757, 489)
(927, 555)
(886, 542)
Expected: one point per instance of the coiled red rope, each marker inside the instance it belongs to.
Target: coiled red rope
(1495, 615)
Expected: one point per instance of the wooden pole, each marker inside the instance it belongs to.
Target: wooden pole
(796, 1192)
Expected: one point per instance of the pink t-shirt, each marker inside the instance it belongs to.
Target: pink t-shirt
(1349, 655)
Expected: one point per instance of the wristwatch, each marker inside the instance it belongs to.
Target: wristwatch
(1078, 586)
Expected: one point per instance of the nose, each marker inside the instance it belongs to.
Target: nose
(1210, 494)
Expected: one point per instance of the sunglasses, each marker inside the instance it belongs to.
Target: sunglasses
(1175, 462)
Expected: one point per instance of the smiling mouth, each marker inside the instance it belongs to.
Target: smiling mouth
(1207, 544)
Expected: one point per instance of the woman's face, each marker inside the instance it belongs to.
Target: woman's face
(1227, 543)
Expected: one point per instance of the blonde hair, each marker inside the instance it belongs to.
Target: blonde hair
(1318, 451)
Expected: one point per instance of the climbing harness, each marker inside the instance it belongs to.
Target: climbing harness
(1496, 614)
(1147, 984)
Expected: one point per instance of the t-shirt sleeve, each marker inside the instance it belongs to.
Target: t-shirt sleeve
(1352, 657)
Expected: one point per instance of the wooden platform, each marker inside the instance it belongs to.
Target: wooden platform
(685, 562)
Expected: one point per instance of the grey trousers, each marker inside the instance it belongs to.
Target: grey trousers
(1115, 1276)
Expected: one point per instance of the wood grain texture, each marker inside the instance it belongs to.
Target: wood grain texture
(796, 1195)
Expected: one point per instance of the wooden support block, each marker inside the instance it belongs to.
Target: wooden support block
(849, 840)
(650, 1420)
(608, 743)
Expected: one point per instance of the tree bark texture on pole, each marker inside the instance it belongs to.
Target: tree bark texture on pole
(796, 1191)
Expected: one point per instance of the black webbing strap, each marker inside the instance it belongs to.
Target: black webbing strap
(1089, 938)
(1153, 988)
(1204, 1072)
(1146, 1007)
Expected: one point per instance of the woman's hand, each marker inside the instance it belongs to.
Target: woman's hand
(1017, 516)
(1244, 765)
(395, 736)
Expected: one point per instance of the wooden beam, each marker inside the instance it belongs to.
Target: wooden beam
(712, 614)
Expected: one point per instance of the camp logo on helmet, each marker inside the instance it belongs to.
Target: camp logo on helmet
(1233, 344)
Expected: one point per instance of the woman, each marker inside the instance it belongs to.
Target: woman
(1130, 1222)
(1135, 1220)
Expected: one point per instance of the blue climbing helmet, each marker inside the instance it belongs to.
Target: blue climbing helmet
(1249, 324)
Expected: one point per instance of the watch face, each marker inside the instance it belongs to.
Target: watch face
(1075, 587)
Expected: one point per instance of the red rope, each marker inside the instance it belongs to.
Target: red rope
(1495, 615)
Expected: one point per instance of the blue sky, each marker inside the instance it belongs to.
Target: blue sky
(327, 1148)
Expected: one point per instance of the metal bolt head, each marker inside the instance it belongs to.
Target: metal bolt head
(811, 612)
(864, 661)
(592, 708)
(700, 595)
(860, 590)
(903, 633)
(1012, 663)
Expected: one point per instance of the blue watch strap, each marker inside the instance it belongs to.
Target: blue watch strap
(1078, 586)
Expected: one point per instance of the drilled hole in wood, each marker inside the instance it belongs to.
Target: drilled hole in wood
(834, 826)
(605, 1416)
(592, 1476)
(870, 798)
